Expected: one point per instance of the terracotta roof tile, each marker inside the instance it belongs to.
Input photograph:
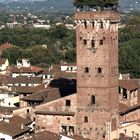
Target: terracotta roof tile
(12, 129)
(24, 80)
(2, 60)
(27, 89)
(128, 84)
(130, 109)
(45, 95)
(45, 135)
(122, 107)
(7, 110)
(6, 46)
(56, 71)
(19, 120)
(32, 69)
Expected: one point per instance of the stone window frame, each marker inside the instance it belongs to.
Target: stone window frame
(68, 103)
(84, 41)
(99, 70)
(86, 69)
(86, 119)
(93, 99)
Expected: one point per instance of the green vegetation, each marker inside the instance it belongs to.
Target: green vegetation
(129, 50)
(39, 45)
(94, 3)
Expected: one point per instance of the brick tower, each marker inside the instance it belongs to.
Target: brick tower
(97, 75)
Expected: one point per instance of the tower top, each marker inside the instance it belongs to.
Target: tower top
(113, 16)
(96, 4)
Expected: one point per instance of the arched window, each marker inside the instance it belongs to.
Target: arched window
(93, 43)
(102, 25)
(85, 119)
(85, 24)
(93, 99)
(93, 24)
(68, 103)
(86, 70)
(101, 42)
(99, 70)
(85, 42)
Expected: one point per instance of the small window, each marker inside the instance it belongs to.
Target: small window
(68, 118)
(85, 42)
(93, 24)
(92, 99)
(119, 89)
(85, 25)
(101, 42)
(102, 25)
(124, 93)
(86, 70)
(27, 111)
(99, 70)
(93, 43)
(85, 119)
(68, 103)
(125, 131)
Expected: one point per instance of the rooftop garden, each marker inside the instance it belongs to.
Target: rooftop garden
(96, 4)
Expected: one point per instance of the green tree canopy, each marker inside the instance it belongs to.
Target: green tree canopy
(94, 3)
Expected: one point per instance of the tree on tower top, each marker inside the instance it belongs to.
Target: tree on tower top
(96, 3)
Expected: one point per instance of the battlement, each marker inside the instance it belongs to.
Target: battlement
(113, 16)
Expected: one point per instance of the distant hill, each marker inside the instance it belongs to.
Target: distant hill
(125, 5)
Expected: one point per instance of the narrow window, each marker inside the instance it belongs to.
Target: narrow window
(68, 103)
(125, 131)
(101, 42)
(64, 128)
(93, 43)
(124, 93)
(86, 70)
(92, 99)
(119, 89)
(93, 24)
(85, 119)
(99, 70)
(85, 42)
(71, 130)
(85, 25)
(102, 25)
(27, 111)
